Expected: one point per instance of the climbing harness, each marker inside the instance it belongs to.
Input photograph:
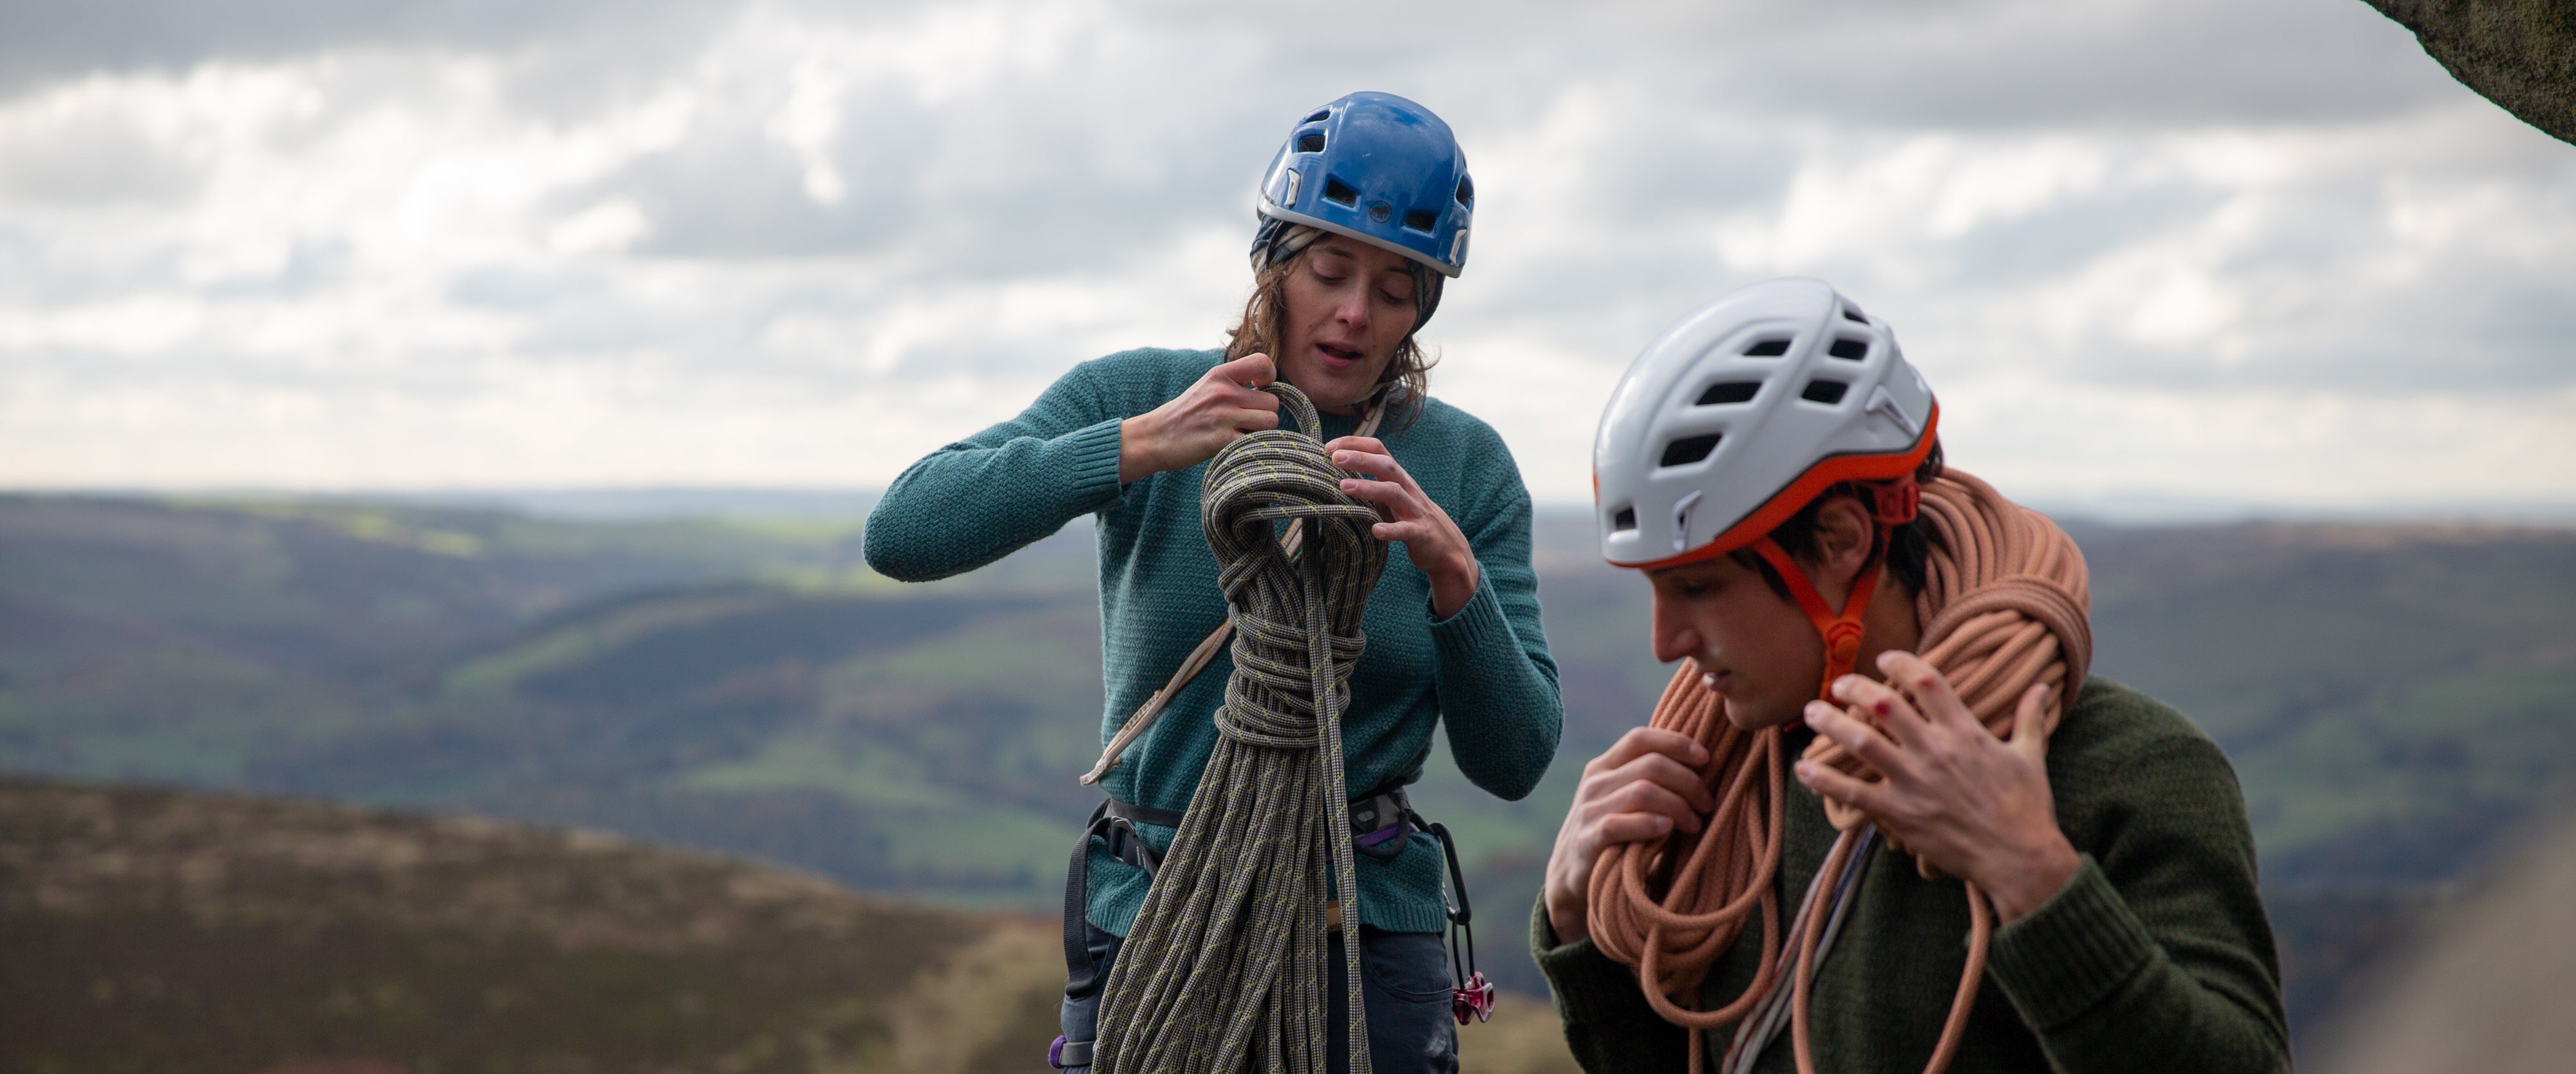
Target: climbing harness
(1225, 968)
(1379, 824)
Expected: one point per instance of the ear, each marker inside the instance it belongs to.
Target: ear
(1845, 534)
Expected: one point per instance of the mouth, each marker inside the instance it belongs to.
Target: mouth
(1337, 357)
(1715, 682)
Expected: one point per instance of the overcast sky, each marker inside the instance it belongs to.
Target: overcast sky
(2147, 251)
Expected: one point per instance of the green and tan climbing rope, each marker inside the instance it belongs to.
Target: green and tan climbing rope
(1227, 966)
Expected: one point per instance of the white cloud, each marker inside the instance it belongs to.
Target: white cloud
(2139, 247)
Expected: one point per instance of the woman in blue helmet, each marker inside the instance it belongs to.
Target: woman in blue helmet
(1364, 217)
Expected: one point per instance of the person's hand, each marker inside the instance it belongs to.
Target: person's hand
(1434, 543)
(1969, 804)
(1190, 429)
(1646, 785)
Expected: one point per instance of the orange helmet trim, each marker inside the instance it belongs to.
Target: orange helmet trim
(1825, 474)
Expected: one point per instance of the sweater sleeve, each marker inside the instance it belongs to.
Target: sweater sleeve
(982, 498)
(1607, 1023)
(2156, 956)
(1497, 683)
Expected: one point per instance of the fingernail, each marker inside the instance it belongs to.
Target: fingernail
(1806, 770)
(1662, 823)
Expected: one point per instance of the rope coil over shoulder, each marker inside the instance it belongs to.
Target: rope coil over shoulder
(2003, 606)
(1226, 967)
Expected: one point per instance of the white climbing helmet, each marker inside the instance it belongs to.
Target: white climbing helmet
(1737, 417)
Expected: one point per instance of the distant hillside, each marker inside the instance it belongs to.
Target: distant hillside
(167, 932)
(2393, 697)
(155, 931)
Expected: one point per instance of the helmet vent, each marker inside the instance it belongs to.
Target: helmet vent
(1819, 390)
(1335, 190)
(1850, 314)
(1310, 142)
(1768, 348)
(1466, 192)
(1417, 220)
(1848, 349)
(1729, 391)
(1691, 449)
(1318, 117)
(1625, 521)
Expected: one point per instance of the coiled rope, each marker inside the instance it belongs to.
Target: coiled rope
(1227, 965)
(2003, 606)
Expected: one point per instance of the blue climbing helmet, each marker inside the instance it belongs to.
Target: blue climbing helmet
(1380, 169)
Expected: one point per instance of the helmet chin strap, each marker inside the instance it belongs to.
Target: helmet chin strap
(1841, 628)
(1891, 504)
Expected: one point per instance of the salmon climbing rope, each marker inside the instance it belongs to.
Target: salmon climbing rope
(2003, 606)
(1227, 966)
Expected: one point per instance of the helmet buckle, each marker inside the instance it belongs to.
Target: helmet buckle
(1896, 502)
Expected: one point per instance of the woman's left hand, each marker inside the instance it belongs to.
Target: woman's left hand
(1971, 805)
(1438, 548)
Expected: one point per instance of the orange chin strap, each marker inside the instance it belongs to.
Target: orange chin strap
(1895, 503)
(1840, 629)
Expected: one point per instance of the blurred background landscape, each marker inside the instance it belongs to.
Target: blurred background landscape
(720, 672)
(435, 434)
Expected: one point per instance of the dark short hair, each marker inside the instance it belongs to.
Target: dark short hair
(1909, 546)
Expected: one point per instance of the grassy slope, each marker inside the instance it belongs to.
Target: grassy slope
(161, 931)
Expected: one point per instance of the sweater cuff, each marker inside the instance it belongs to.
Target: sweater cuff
(1578, 973)
(1477, 627)
(2075, 950)
(1089, 457)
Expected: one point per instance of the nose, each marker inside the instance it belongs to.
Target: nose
(1674, 636)
(1353, 309)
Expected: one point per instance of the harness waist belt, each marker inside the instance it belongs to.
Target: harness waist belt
(1378, 823)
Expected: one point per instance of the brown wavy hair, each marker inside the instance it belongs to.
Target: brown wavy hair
(1408, 374)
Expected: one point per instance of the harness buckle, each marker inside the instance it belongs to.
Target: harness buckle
(1378, 824)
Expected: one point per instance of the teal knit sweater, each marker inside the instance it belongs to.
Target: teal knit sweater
(1485, 669)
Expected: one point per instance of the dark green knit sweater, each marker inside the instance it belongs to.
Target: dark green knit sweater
(2155, 957)
(1485, 671)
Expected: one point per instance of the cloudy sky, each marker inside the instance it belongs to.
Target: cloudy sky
(2149, 252)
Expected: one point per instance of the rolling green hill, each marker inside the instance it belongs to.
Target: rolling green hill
(161, 932)
(2393, 697)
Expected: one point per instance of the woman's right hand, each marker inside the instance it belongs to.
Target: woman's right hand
(1644, 786)
(1199, 422)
